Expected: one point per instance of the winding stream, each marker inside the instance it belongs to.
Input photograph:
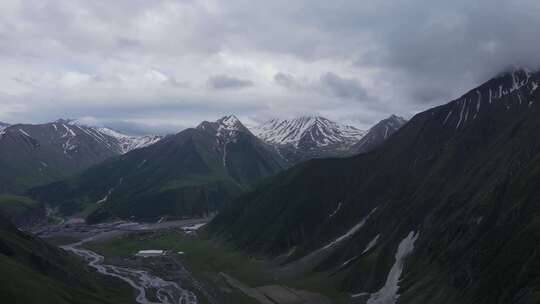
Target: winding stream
(167, 292)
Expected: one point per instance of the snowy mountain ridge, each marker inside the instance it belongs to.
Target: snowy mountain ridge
(129, 142)
(124, 142)
(309, 131)
(378, 134)
(226, 128)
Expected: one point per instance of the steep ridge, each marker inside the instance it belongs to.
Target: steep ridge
(444, 211)
(128, 143)
(308, 137)
(187, 174)
(377, 134)
(36, 272)
(31, 155)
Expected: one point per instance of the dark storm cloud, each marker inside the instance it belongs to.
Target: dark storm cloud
(456, 43)
(286, 80)
(220, 82)
(370, 57)
(341, 87)
(328, 83)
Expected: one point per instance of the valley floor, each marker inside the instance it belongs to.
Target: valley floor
(212, 271)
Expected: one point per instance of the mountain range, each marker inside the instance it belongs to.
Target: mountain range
(444, 211)
(439, 209)
(194, 172)
(32, 155)
(187, 174)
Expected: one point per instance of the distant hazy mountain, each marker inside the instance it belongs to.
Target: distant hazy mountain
(445, 211)
(378, 134)
(190, 173)
(31, 155)
(308, 137)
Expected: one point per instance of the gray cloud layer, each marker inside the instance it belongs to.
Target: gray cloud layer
(165, 64)
(227, 82)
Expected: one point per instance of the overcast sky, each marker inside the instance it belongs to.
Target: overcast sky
(160, 66)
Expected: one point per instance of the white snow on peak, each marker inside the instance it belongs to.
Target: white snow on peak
(228, 125)
(230, 122)
(129, 142)
(227, 131)
(519, 82)
(321, 131)
(227, 128)
(111, 138)
(388, 294)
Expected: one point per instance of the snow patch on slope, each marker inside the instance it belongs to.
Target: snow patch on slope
(335, 211)
(351, 231)
(123, 142)
(24, 133)
(371, 243)
(388, 294)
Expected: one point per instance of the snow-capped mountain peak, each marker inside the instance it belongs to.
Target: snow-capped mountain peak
(225, 128)
(123, 142)
(230, 122)
(307, 131)
(130, 142)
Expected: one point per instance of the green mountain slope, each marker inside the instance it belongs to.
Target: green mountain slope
(187, 174)
(453, 196)
(32, 155)
(20, 210)
(35, 272)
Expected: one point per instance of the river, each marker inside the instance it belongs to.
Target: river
(166, 292)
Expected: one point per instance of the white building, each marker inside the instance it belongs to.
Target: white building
(150, 253)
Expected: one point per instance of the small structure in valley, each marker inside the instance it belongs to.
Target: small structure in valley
(150, 253)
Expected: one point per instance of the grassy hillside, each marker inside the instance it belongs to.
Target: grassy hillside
(21, 210)
(35, 272)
